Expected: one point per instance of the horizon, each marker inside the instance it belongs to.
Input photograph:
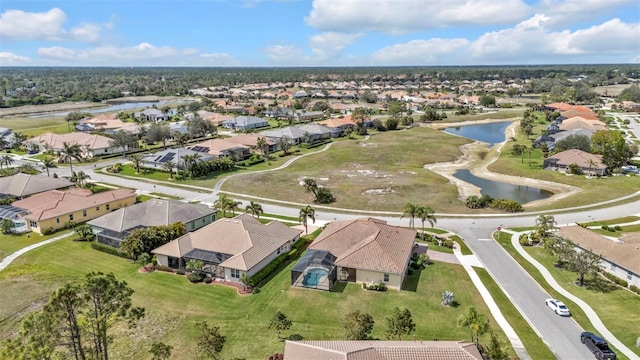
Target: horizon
(318, 33)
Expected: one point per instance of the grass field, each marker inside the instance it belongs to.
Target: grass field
(33, 127)
(173, 304)
(612, 307)
(10, 243)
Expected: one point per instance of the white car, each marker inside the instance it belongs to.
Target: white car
(558, 307)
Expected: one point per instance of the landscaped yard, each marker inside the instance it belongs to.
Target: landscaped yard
(10, 243)
(613, 307)
(173, 304)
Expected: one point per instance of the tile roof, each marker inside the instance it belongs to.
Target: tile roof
(247, 139)
(368, 244)
(90, 141)
(578, 157)
(246, 239)
(291, 131)
(337, 122)
(54, 203)
(625, 252)
(380, 350)
(153, 212)
(20, 185)
(218, 147)
(578, 122)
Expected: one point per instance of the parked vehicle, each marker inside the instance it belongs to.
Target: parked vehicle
(627, 169)
(598, 346)
(558, 307)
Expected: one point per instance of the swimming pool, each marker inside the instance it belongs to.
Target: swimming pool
(312, 277)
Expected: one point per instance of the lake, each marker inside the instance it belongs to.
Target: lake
(519, 193)
(114, 108)
(491, 133)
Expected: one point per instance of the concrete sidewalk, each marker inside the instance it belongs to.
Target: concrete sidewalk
(6, 261)
(591, 314)
(514, 339)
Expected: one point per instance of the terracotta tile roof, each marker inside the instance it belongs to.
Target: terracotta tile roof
(247, 140)
(559, 106)
(54, 203)
(219, 146)
(578, 122)
(338, 122)
(589, 115)
(578, 157)
(380, 350)
(625, 252)
(152, 212)
(90, 141)
(20, 185)
(246, 239)
(368, 244)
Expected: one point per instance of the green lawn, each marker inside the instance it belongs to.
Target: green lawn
(621, 220)
(10, 243)
(33, 127)
(536, 348)
(174, 305)
(500, 114)
(612, 308)
(617, 233)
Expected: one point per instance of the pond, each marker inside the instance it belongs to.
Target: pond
(114, 108)
(520, 193)
(491, 133)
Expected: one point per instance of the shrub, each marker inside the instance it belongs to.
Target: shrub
(605, 227)
(618, 228)
(108, 249)
(48, 231)
(635, 289)
(524, 240)
(448, 243)
(612, 229)
(414, 265)
(575, 169)
(70, 224)
(375, 287)
(180, 272)
(447, 298)
(195, 277)
(615, 279)
(163, 268)
(207, 280)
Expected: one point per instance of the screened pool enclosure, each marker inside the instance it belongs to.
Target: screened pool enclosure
(315, 270)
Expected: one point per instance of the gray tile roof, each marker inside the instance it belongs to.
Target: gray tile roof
(368, 244)
(290, 131)
(153, 212)
(246, 239)
(380, 350)
(21, 185)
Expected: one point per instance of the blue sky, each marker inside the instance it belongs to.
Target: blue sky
(318, 32)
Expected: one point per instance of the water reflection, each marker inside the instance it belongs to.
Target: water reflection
(491, 133)
(520, 193)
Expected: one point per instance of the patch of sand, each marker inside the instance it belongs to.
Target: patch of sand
(478, 167)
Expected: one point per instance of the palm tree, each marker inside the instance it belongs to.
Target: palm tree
(425, 213)
(70, 152)
(47, 163)
(181, 139)
(6, 160)
(306, 213)
(18, 139)
(477, 323)
(410, 210)
(223, 204)
(310, 186)
(254, 209)
(3, 143)
(545, 223)
(592, 164)
(263, 146)
(80, 179)
(169, 165)
(136, 159)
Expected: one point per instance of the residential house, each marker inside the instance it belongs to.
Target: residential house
(244, 123)
(300, 94)
(230, 247)
(380, 350)
(341, 124)
(91, 144)
(552, 140)
(588, 163)
(113, 228)
(306, 116)
(222, 148)
(317, 132)
(7, 136)
(23, 185)
(619, 257)
(279, 113)
(578, 122)
(251, 140)
(294, 135)
(53, 209)
(366, 251)
(154, 115)
(101, 122)
(158, 159)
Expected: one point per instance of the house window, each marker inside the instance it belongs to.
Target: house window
(70, 217)
(385, 277)
(629, 275)
(107, 206)
(105, 150)
(235, 273)
(84, 213)
(613, 267)
(33, 224)
(57, 220)
(97, 208)
(278, 252)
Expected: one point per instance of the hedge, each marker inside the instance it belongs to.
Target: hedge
(195, 277)
(295, 251)
(615, 279)
(108, 249)
(635, 289)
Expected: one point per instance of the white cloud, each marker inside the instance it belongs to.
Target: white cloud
(10, 59)
(330, 45)
(532, 40)
(565, 12)
(144, 53)
(419, 52)
(20, 25)
(218, 59)
(284, 54)
(398, 17)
